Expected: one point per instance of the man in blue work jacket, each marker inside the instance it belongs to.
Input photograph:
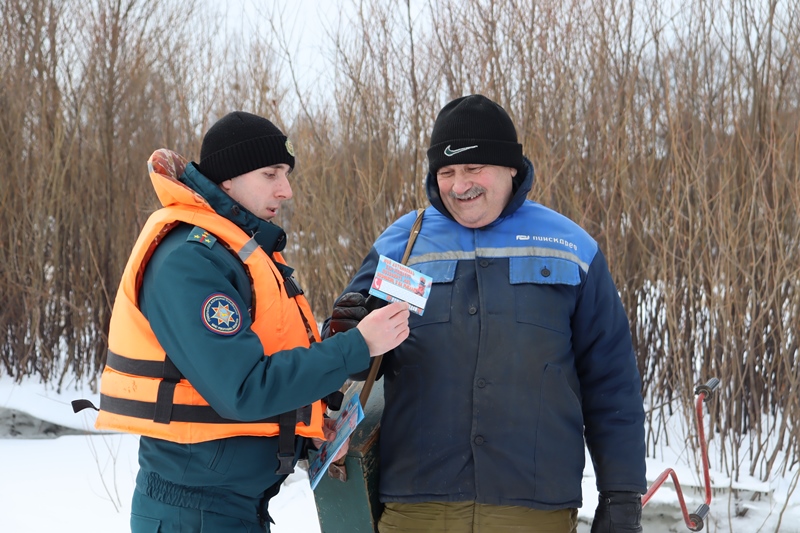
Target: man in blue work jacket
(523, 353)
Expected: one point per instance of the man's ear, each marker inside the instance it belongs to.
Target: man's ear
(513, 172)
(226, 185)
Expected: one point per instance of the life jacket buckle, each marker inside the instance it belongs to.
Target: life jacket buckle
(292, 288)
(285, 461)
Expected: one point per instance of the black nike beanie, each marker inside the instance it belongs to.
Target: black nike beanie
(474, 130)
(241, 142)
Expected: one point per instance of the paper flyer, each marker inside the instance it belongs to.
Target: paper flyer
(395, 282)
(350, 416)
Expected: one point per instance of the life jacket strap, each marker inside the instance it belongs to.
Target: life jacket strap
(138, 367)
(81, 404)
(203, 414)
(164, 410)
(286, 448)
(166, 391)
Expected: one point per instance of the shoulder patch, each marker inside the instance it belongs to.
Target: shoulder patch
(200, 235)
(221, 315)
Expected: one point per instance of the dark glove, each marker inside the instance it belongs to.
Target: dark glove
(618, 512)
(348, 311)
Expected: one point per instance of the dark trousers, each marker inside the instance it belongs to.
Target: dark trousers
(470, 517)
(152, 516)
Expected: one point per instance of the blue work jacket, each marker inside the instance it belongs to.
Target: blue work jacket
(522, 352)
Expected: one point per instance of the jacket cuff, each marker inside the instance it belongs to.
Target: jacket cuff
(354, 350)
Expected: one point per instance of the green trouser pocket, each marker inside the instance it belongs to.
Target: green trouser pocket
(151, 516)
(143, 524)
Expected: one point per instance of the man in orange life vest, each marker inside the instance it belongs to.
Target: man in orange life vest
(213, 351)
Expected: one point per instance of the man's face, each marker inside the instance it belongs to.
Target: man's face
(475, 194)
(261, 191)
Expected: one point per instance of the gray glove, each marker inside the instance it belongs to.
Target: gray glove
(618, 512)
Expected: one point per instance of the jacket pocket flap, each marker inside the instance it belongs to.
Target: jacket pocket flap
(440, 271)
(543, 270)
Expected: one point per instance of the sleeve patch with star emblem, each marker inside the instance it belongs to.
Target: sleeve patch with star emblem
(221, 315)
(200, 235)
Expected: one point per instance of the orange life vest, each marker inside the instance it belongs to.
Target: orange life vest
(141, 391)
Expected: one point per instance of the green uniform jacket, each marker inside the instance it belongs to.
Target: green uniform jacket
(227, 476)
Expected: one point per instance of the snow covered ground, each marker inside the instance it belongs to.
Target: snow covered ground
(82, 481)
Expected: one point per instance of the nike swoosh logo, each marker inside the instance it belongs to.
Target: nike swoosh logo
(450, 153)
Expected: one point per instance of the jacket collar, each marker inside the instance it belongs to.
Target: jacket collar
(269, 236)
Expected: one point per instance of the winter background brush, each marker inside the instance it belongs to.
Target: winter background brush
(57, 474)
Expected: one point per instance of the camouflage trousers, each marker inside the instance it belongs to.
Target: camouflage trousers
(470, 517)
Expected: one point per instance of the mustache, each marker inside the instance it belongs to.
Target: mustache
(469, 194)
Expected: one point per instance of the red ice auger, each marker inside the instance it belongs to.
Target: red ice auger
(694, 521)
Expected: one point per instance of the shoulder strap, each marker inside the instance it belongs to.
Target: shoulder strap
(413, 235)
(376, 361)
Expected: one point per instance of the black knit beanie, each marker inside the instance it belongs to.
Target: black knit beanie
(241, 142)
(474, 130)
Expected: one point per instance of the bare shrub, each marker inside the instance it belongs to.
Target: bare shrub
(669, 133)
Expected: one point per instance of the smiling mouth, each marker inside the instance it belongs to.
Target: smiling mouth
(468, 197)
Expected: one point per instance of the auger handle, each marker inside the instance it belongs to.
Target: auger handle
(698, 516)
(707, 389)
(694, 521)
